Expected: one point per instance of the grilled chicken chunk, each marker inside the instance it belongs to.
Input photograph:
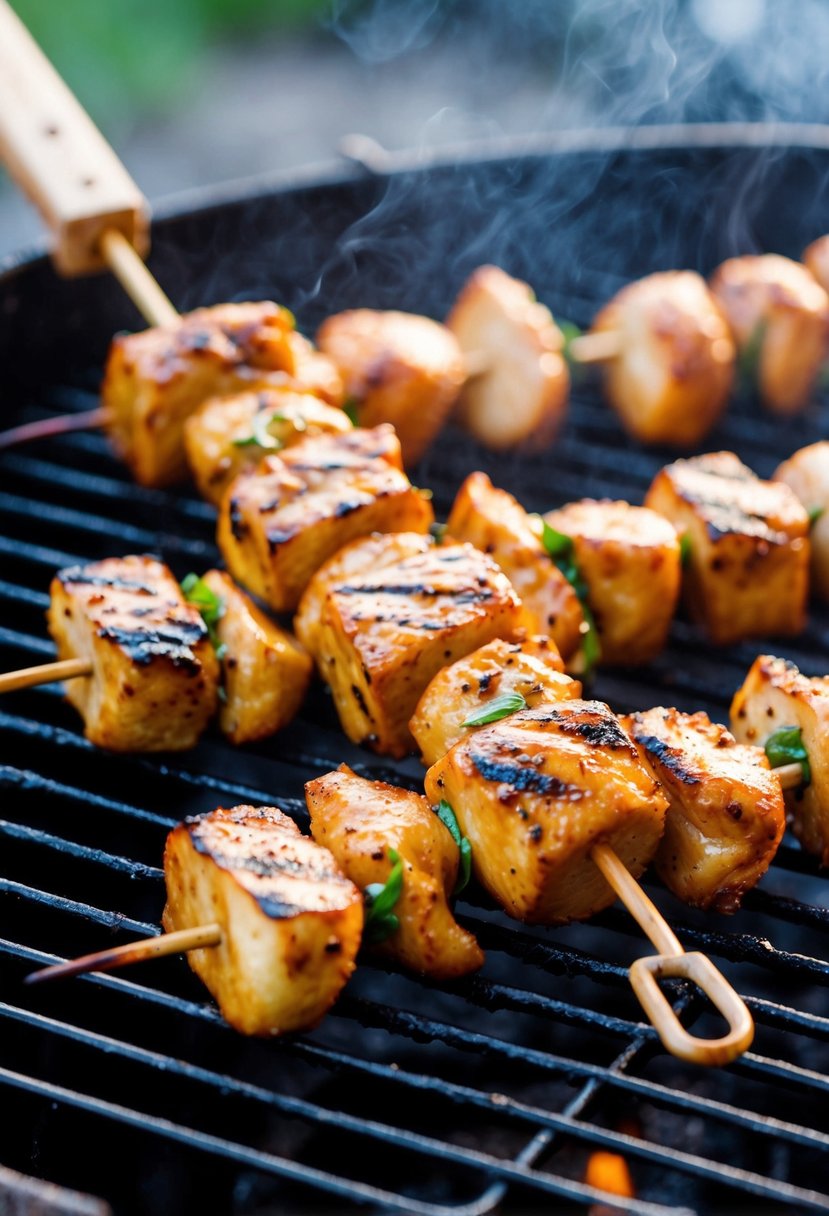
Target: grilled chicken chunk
(670, 381)
(265, 672)
(518, 380)
(279, 522)
(385, 633)
(774, 695)
(535, 791)
(629, 558)
(747, 568)
(726, 815)
(154, 676)
(369, 553)
(807, 473)
(360, 821)
(397, 368)
(532, 668)
(777, 306)
(816, 260)
(155, 379)
(494, 522)
(229, 434)
(290, 919)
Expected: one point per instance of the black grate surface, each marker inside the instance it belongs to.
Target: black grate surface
(432, 1099)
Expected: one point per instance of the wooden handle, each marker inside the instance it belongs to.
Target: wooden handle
(59, 157)
(673, 962)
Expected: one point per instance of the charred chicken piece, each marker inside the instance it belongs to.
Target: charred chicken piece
(531, 670)
(397, 368)
(154, 678)
(290, 919)
(807, 473)
(726, 815)
(494, 522)
(232, 433)
(266, 672)
(360, 821)
(279, 522)
(629, 558)
(534, 792)
(776, 695)
(385, 634)
(747, 566)
(369, 553)
(776, 308)
(519, 394)
(670, 381)
(155, 379)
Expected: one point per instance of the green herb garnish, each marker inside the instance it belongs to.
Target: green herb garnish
(210, 606)
(562, 551)
(496, 709)
(748, 364)
(381, 899)
(785, 746)
(351, 409)
(437, 533)
(569, 332)
(815, 514)
(684, 548)
(447, 817)
(261, 436)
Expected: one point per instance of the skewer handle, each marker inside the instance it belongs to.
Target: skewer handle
(673, 963)
(60, 159)
(197, 938)
(46, 673)
(598, 347)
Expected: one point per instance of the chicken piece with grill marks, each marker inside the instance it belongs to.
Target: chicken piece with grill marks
(629, 560)
(228, 434)
(671, 376)
(265, 672)
(493, 521)
(726, 815)
(385, 633)
(154, 380)
(369, 553)
(535, 792)
(747, 568)
(154, 680)
(279, 522)
(532, 669)
(396, 367)
(774, 695)
(360, 821)
(778, 311)
(290, 920)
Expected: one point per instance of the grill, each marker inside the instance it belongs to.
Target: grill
(482, 1095)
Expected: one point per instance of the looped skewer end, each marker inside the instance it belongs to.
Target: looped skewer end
(644, 976)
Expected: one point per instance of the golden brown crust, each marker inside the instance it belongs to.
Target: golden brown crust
(806, 472)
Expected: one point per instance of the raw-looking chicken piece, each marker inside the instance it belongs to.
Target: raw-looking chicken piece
(290, 920)
(518, 384)
(726, 814)
(360, 821)
(671, 376)
(773, 696)
(746, 572)
(396, 367)
(531, 670)
(778, 309)
(154, 680)
(535, 792)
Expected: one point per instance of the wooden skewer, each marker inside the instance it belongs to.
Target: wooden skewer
(673, 962)
(197, 938)
(87, 420)
(45, 673)
(790, 775)
(131, 272)
(600, 347)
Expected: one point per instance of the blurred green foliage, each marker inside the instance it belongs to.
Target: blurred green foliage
(124, 56)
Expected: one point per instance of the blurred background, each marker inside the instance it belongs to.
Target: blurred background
(193, 92)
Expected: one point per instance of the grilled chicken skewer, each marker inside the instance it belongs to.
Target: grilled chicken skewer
(270, 923)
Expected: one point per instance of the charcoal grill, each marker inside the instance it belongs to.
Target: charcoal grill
(462, 1099)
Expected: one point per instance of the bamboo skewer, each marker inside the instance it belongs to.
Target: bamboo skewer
(45, 673)
(140, 285)
(600, 347)
(198, 938)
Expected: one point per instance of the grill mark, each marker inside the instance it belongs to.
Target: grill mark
(598, 730)
(669, 756)
(174, 641)
(520, 777)
(81, 577)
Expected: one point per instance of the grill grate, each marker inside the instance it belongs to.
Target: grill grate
(414, 1097)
